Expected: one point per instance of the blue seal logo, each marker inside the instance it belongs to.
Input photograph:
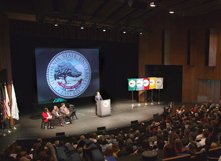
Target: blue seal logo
(68, 74)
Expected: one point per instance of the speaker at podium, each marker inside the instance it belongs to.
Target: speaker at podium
(104, 107)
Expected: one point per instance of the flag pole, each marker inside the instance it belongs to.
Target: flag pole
(151, 96)
(132, 99)
(159, 96)
(145, 97)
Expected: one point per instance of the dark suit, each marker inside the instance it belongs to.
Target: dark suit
(57, 115)
(97, 98)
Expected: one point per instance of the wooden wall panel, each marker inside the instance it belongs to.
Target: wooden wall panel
(178, 47)
(5, 55)
(150, 52)
(198, 79)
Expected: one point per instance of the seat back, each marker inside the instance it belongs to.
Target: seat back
(178, 158)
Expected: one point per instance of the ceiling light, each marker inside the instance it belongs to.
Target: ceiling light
(56, 23)
(152, 4)
(124, 32)
(82, 27)
(171, 12)
(141, 33)
(104, 30)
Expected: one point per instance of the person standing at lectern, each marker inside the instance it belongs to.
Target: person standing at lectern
(97, 98)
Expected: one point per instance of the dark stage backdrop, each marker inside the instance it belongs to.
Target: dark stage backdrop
(118, 61)
(172, 83)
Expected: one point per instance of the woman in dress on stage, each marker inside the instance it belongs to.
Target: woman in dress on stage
(47, 117)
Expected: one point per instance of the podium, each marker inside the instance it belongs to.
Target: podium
(103, 107)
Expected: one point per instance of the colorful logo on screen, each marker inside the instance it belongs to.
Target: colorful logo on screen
(68, 74)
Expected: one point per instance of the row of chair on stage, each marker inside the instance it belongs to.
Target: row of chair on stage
(58, 117)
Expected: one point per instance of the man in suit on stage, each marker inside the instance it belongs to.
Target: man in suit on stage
(97, 98)
(65, 112)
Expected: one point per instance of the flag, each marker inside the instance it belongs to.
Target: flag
(139, 84)
(152, 82)
(131, 84)
(14, 106)
(6, 109)
(159, 83)
(1, 98)
(146, 83)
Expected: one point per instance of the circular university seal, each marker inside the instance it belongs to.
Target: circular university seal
(132, 83)
(105, 104)
(68, 74)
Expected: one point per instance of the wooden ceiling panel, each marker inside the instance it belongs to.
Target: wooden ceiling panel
(18, 7)
(141, 19)
(120, 14)
(186, 4)
(67, 8)
(44, 8)
(132, 16)
(167, 3)
(108, 9)
(198, 8)
(205, 10)
(89, 8)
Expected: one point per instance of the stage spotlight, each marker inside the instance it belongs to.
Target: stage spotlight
(104, 30)
(60, 134)
(152, 4)
(141, 33)
(9, 131)
(124, 32)
(134, 122)
(171, 12)
(101, 128)
(14, 128)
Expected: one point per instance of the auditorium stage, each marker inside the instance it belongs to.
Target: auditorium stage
(121, 116)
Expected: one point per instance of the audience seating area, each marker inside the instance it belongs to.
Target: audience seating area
(179, 134)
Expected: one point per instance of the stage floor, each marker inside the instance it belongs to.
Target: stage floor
(121, 116)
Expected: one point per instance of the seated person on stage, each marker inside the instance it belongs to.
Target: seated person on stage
(47, 117)
(65, 112)
(97, 98)
(57, 115)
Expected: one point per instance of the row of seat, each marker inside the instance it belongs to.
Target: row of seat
(215, 153)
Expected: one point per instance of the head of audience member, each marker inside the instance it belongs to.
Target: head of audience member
(109, 151)
(192, 137)
(192, 128)
(115, 147)
(121, 142)
(172, 138)
(206, 126)
(178, 145)
(191, 149)
(129, 143)
(17, 149)
(186, 132)
(146, 145)
(98, 93)
(155, 132)
(103, 141)
(210, 128)
(169, 151)
(165, 133)
(56, 144)
(205, 133)
(199, 131)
